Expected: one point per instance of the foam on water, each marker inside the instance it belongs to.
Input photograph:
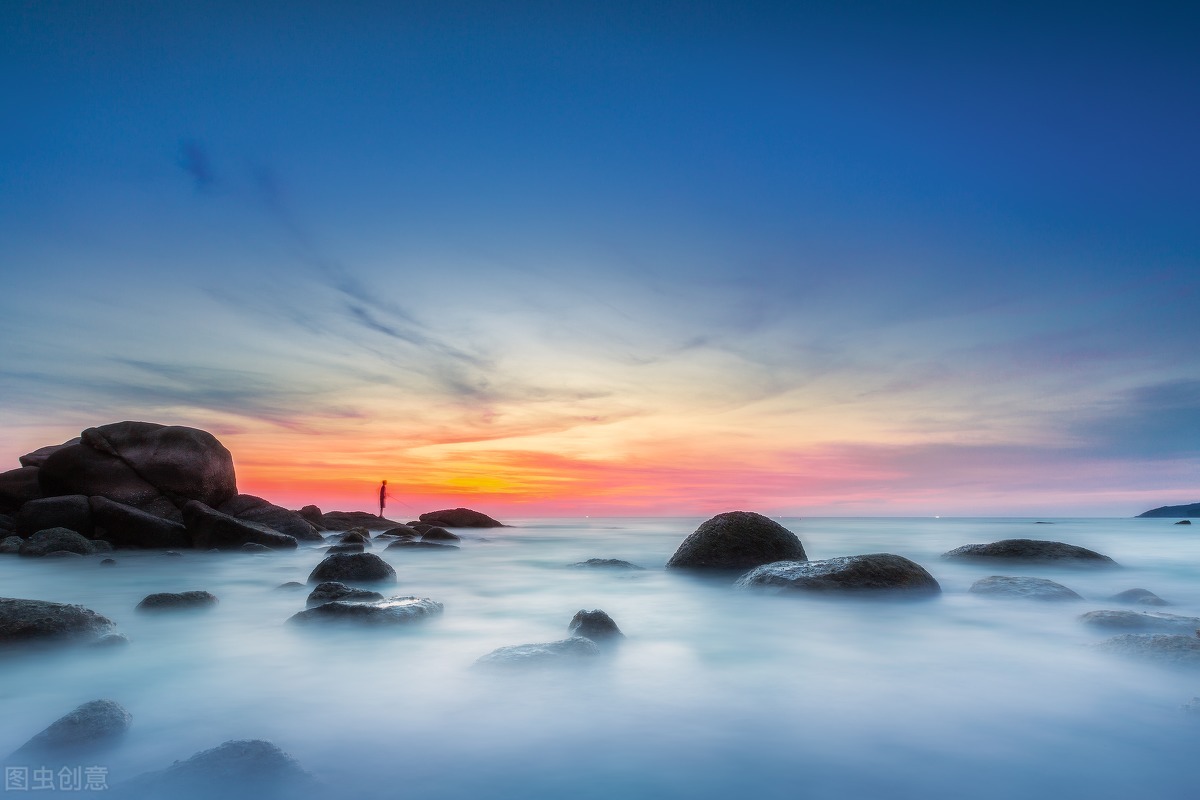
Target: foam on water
(714, 693)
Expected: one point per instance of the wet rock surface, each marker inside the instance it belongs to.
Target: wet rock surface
(31, 621)
(389, 611)
(1023, 588)
(1030, 551)
(876, 573)
(595, 625)
(352, 568)
(737, 540)
(332, 590)
(176, 601)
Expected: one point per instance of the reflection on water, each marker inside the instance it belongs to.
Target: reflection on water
(714, 693)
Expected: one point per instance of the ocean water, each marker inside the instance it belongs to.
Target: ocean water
(715, 692)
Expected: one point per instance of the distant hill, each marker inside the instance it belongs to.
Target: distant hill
(1192, 510)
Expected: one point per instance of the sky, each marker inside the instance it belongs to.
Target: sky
(562, 259)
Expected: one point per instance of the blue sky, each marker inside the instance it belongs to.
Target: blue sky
(951, 249)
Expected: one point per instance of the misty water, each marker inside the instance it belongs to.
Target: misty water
(714, 693)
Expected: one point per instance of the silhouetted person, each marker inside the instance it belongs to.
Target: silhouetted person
(382, 498)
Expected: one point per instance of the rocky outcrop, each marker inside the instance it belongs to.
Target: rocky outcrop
(1030, 551)
(249, 508)
(345, 520)
(436, 534)
(595, 625)
(157, 468)
(210, 529)
(236, 769)
(1139, 597)
(32, 621)
(877, 573)
(563, 652)
(460, 518)
(11, 544)
(1189, 510)
(1148, 621)
(1024, 588)
(353, 568)
(18, 487)
(177, 601)
(90, 726)
(1162, 648)
(70, 511)
(737, 540)
(392, 611)
(332, 590)
(605, 563)
(126, 526)
(57, 540)
(39, 456)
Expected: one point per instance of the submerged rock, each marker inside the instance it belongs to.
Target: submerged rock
(55, 540)
(91, 725)
(605, 563)
(1141, 621)
(171, 601)
(874, 573)
(595, 625)
(460, 518)
(391, 611)
(1140, 597)
(436, 534)
(1030, 551)
(291, 585)
(405, 544)
(563, 652)
(346, 548)
(240, 769)
(332, 590)
(737, 540)
(255, 547)
(1021, 587)
(1162, 648)
(23, 621)
(353, 567)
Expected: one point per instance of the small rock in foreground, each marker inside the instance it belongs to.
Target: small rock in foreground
(562, 652)
(26, 621)
(595, 625)
(352, 567)
(171, 601)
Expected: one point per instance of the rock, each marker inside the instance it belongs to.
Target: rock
(62, 554)
(874, 573)
(291, 585)
(312, 515)
(18, 487)
(174, 554)
(108, 562)
(209, 528)
(1191, 510)
(406, 544)
(71, 512)
(605, 563)
(345, 520)
(1141, 597)
(345, 548)
(110, 640)
(39, 456)
(126, 526)
(1030, 551)
(1028, 588)
(8, 524)
(332, 590)
(1184, 522)
(1141, 621)
(563, 652)
(249, 508)
(55, 539)
(354, 537)
(24, 621)
(255, 547)
(11, 544)
(1163, 648)
(156, 468)
(595, 625)
(460, 518)
(237, 769)
(173, 601)
(91, 725)
(420, 527)
(353, 567)
(436, 534)
(401, 532)
(737, 540)
(392, 611)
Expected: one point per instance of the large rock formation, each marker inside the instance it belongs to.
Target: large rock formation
(32, 621)
(1031, 551)
(1189, 510)
(875, 574)
(460, 518)
(126, 526)
(737, 540)
(249, 508)
(209, 528)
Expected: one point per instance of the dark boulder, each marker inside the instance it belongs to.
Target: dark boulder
(291, 586)
(436, 534)
(420, 527)
(354, 568)
(209, 529)
(126, 526)
(354, 537)
(877, 573)
(312, 515)
(1030, 551)
(737, 540)
(346, 548)
(55, 540)
(249, 508)
(1190, 510)
(175, 601)
(392, 611)
(8, 524)
(595, 625)
(39, 456)
(1139, 597)
(255, 547)
(1024, 588)
(564, 652)
(1141, 621)
(1162, 648)
(460, 518)
(90, 726)
(409, 544)
(25, 621)
(11, 544)
(345, 520)
(1184, 522)
(237, 769)
(401, 532)
(18, 487)
(70, 511)
(605, 563)
(108, 562)
(332, 590)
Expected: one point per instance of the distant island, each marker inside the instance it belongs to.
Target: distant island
(1191, 510)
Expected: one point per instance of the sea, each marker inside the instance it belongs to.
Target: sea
(715, 692)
